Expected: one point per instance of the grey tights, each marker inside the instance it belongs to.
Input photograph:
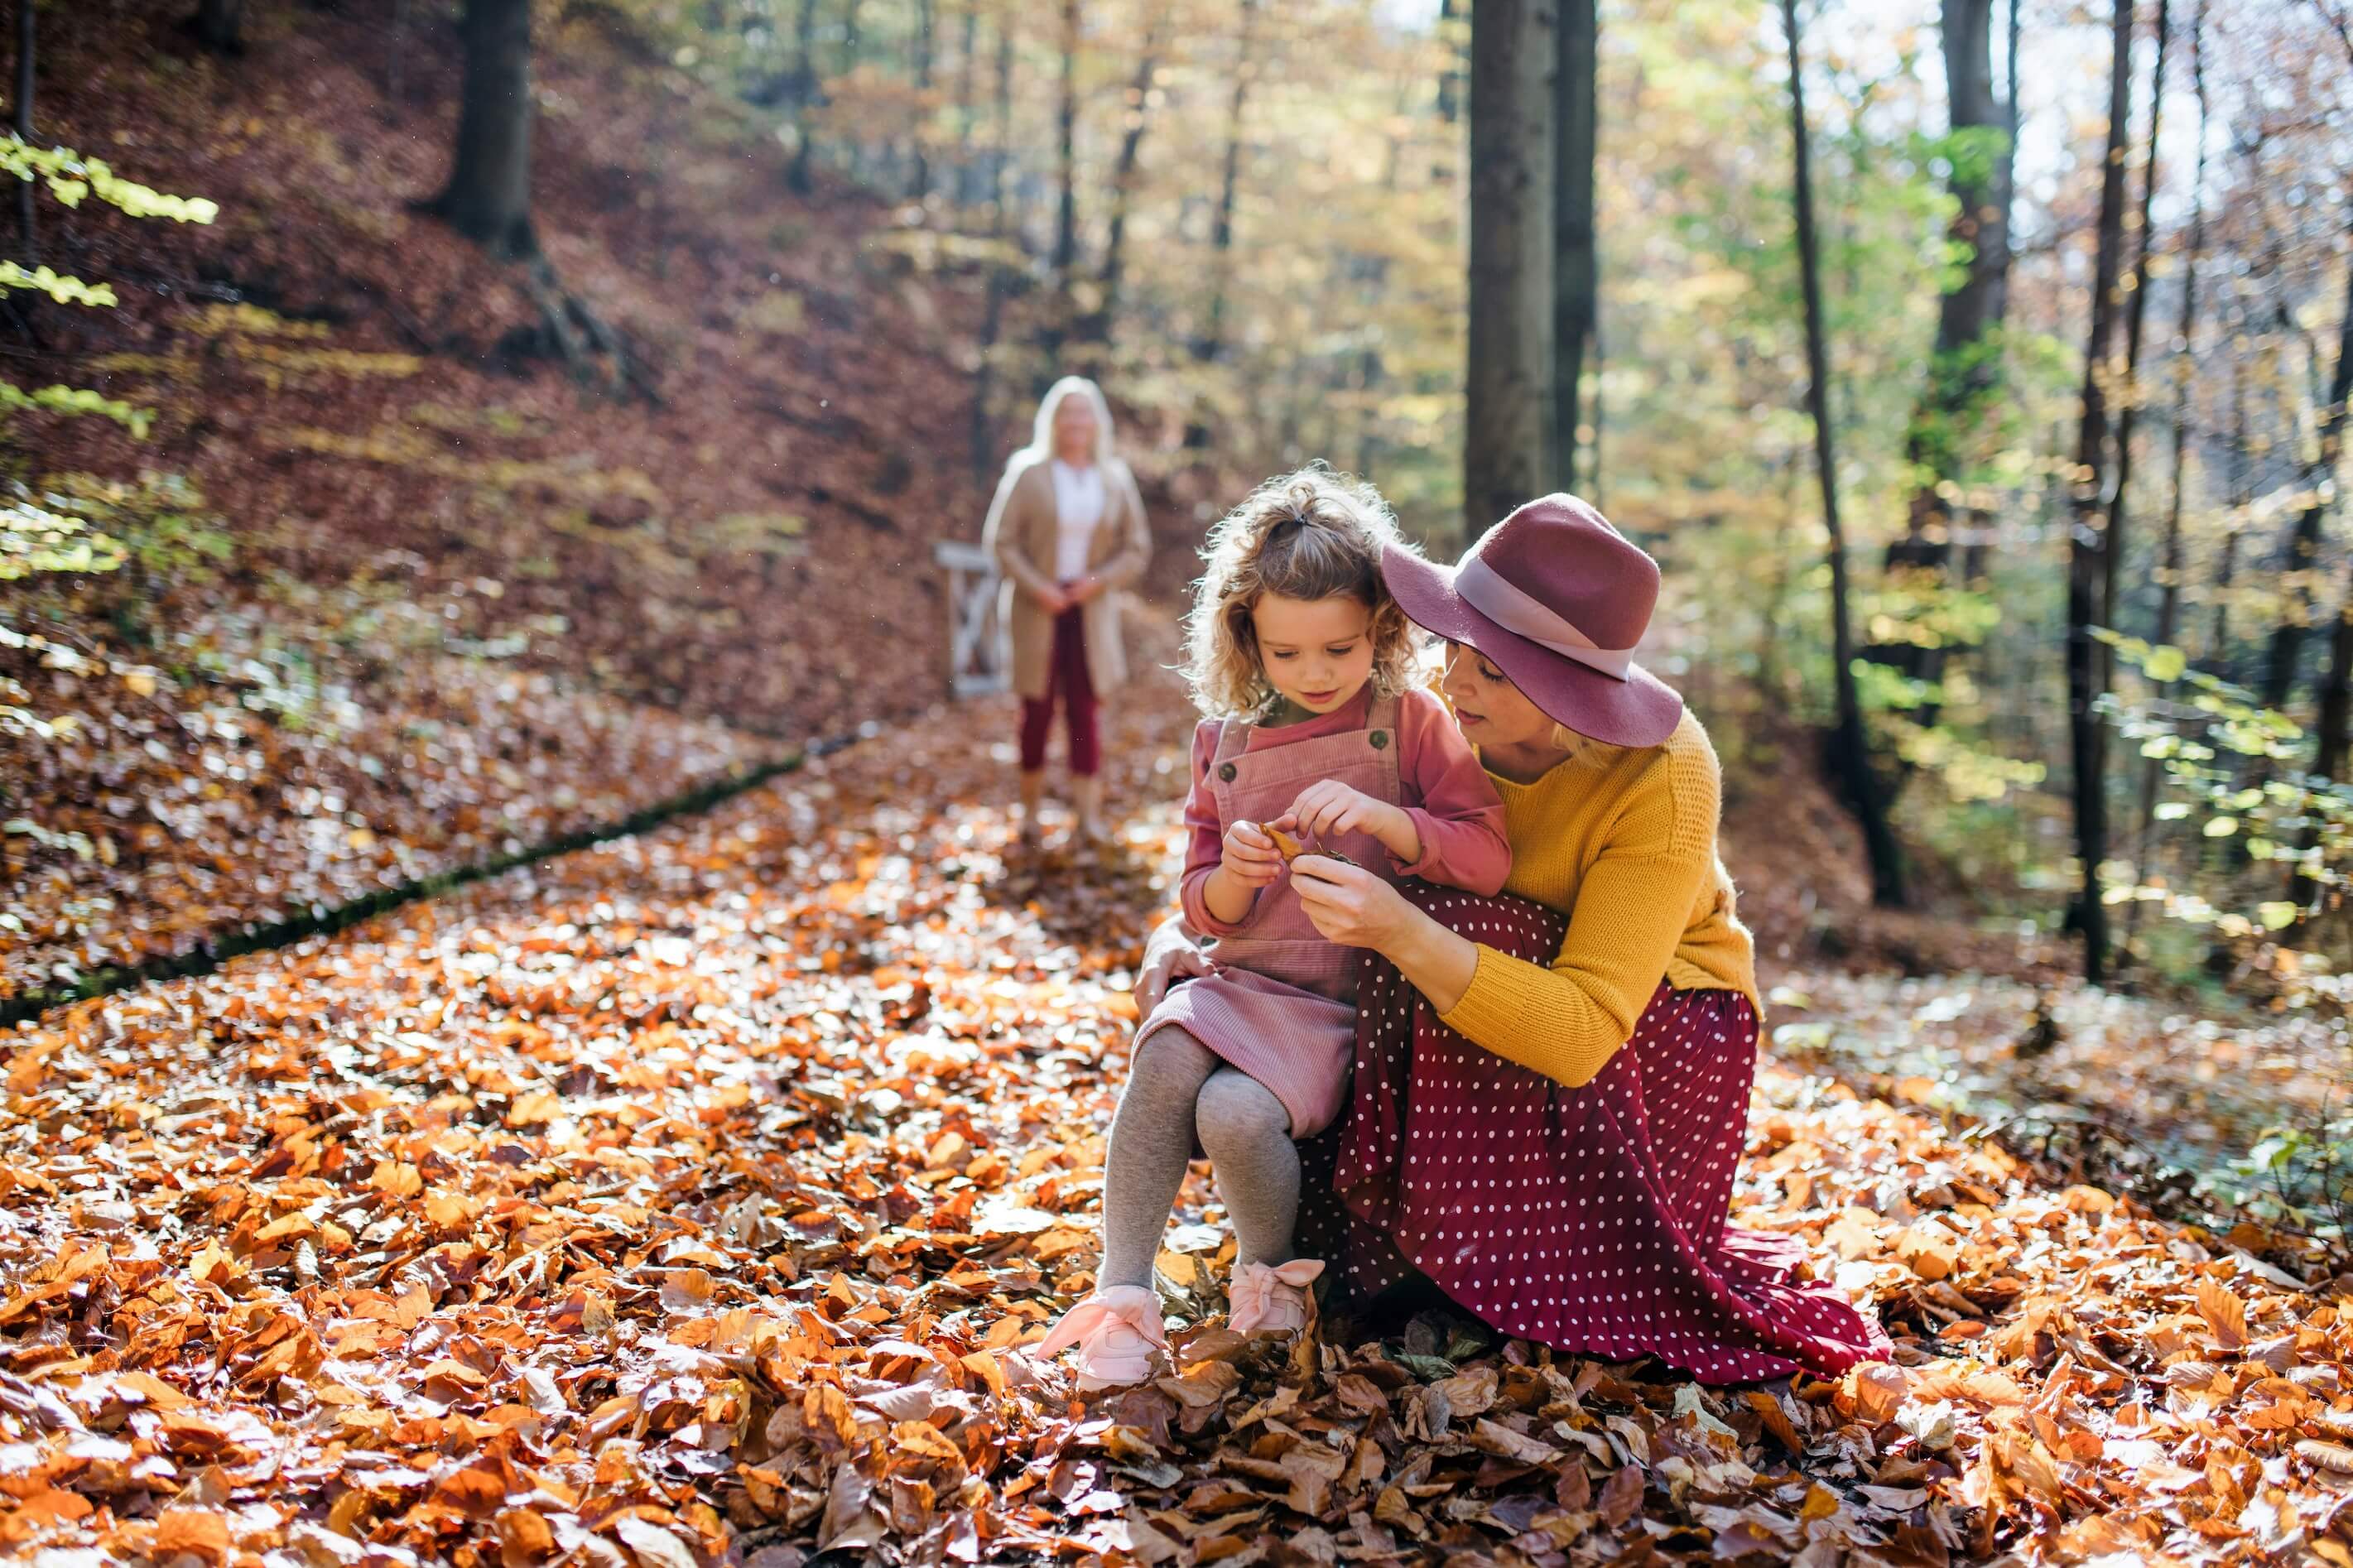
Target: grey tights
(1180, 1087)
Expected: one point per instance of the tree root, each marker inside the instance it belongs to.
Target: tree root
(590, 346)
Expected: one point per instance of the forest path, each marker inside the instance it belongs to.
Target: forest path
(687, 1196)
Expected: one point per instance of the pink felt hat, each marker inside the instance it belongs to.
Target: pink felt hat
(1556, 599)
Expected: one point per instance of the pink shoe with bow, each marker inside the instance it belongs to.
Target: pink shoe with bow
(1117, 1331)
(1271, 1301)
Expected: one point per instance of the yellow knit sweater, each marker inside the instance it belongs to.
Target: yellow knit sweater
(1623, 841)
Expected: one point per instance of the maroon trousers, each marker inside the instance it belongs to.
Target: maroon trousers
(1065, 677)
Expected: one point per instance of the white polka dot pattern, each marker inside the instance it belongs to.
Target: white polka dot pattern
(1591, 1219)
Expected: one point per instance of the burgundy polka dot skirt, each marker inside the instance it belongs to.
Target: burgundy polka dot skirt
(1590, 1219)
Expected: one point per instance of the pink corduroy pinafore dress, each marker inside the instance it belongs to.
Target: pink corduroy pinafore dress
(1279, 1003)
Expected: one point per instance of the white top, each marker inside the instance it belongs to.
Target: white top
(1078, 507)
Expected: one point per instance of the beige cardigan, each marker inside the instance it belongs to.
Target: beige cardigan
(1020, 534)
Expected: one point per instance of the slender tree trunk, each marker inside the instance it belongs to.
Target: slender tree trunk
(2333, 692)
(1964, 369)
(1508, 423)
(2086, 564)
(29, 237)
(984, 445)
(2287, 640)
(2136, 316)
(925, 15)
(965, 109)
(2169, 592)
(853, 39)
(1212, 341)
(219, 25)
(1138, 118)
(1576, 281)
(487, 198)
(2216, 659)
(1066, 221)
(1850, 751)
(1450, 70)
(805, 98)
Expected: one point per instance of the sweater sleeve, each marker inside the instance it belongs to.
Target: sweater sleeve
(1456, 813)
(1000, 536)
(1204, 834)
(1633, 904)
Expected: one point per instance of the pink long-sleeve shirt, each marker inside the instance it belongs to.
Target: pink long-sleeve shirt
(1456, 811)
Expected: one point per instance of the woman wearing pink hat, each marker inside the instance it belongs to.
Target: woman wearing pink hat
(1551, 1087)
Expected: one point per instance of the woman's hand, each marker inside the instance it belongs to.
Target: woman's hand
(1053, 601)
(1355, 908)
(1080, 592)
(1350, 905)
(1328, 807)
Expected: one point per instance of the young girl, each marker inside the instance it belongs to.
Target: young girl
(1317, 730)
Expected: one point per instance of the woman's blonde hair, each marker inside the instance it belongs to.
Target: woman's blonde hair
(1313, 534)
(1041, 425)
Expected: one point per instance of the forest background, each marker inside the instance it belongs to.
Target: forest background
(446, 471)
(441, 436)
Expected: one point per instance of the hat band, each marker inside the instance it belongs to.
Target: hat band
(1514, 611)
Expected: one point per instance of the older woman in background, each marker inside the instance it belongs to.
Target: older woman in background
(1067, 527)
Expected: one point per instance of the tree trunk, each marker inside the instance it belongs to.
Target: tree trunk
(2136, 316)
(2216, 658)
(984, 445)
(1508, 426)
(1577, 258)
(1097, 327)
(219, 25)
(1066, 223)
(1850, 752)
(2287, 640)
(925, 16)
(487, 198)
(27, 237)
(1212, 341)
(2330, 757)
(853, 39)
(1450, 70)
(2169, 590)
(2086, 565)
(805, 97)
(964, 116)
(1964, 369)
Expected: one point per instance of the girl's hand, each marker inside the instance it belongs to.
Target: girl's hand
(1348, 904)
(1249, 859)
(1328, 807)
(1053, 600)
(1085, 588)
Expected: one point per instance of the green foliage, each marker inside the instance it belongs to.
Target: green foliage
(158, 521)
(71, 179)
(34, 539)
(63, 289)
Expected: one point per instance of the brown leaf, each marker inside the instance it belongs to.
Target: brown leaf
(524, 1538)
(2224, 1312)
(1621, 1496)
(1492, 1438)
(201, 1531)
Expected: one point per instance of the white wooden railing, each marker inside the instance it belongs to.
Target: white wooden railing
(980, 657)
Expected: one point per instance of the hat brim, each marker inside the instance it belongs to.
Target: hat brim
(1639, 711)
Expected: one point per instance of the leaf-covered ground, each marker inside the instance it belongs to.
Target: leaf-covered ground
(691, 1199)
(405, 597)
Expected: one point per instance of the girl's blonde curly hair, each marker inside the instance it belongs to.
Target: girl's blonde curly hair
(1311, 535)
